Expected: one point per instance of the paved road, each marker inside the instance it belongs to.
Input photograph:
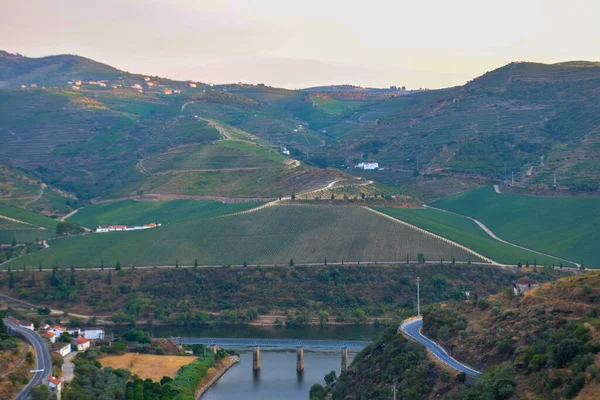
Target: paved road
(43, 360)
(413, 329)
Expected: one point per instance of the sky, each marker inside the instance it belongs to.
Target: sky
(294, 44)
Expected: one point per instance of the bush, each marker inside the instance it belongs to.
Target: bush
(483, 304)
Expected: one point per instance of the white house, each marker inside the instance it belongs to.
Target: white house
(81, 344)
(93, 334)
(137, 86)
(192, 84)
(367, 165)
(285, 151)
(55, 385)
(61, 348)
(119, 228)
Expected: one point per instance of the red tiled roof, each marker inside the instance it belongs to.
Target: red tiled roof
(81, 340)
(54, 380)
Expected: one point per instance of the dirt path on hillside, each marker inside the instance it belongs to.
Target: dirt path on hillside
(21, 222)
(43, 187)
(69, 215)
(494, 236)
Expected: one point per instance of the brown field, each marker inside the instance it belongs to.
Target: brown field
(147, 365)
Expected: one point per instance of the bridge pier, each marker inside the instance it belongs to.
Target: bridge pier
(256, 358)
(344, 359)
(300, 359)
(213, 348)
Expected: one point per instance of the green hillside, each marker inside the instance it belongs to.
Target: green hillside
(563, 226)
(130, 212)
(274, 235)
(466, 232)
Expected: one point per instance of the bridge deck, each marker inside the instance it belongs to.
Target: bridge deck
(352, 344)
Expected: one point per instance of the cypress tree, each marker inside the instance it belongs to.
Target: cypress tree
(109, 279)
(11, 281)
(453, 260)
(102, 264)
(54, 279)
(72, 279)
(118, 266)
(195, 263)
(407, 259)
(32, 280)
(325, 261)
(40, 267)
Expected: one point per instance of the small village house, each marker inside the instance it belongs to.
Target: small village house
(81, 344)
(55, 385)
(524, 284)
(367, 165)
(168, 91)
(61, 348)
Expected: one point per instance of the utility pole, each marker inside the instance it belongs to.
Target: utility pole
(394, 390)
(418, 298)
(513, 178)
(554, 178)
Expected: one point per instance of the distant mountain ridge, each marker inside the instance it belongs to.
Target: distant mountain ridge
(18, 70)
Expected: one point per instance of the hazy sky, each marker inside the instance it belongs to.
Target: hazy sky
(306, 42)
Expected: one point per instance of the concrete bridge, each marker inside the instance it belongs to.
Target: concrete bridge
(300, 344)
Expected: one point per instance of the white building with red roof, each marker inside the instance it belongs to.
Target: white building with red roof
(55, 385)
(81, 344)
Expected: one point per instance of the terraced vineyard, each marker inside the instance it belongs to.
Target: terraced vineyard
(229, 154)
(131, 212)
(563, 226)
(273, 235)
(466, 232)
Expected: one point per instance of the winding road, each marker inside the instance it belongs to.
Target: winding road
(412, 328)
(43, 360)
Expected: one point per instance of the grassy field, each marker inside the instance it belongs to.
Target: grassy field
(563, 226)
(274, 235)
(28, 217)
(131, 212)
(466, 232)
(147, 366)
(225, 154)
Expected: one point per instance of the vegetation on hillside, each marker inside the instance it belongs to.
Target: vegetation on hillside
(297, 296)
(389, 360)
(545, 343)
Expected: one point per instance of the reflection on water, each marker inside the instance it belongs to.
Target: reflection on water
(277, 378)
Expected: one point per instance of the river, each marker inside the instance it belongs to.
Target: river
(277, 378)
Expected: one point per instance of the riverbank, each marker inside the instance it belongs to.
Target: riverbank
(215, 373)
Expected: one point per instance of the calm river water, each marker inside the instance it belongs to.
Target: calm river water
(277, 378)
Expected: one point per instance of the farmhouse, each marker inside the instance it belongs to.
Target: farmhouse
(192, 84)
(367, 165)
(137, 86)
(61, 348)
(524, 284)
(121, 228)
(285, 151)
(50, 336)
(168, 91)
(81, 344)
